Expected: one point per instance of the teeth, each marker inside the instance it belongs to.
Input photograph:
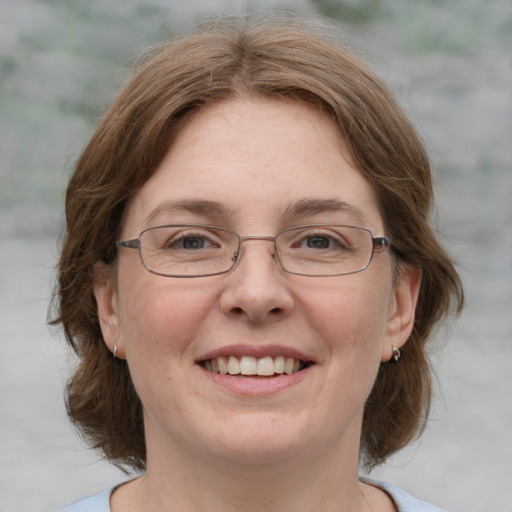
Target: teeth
(233, 365)
(223, 365)
(265, 366)
(248, 365)
(288, 365)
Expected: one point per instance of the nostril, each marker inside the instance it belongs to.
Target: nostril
(275, 311)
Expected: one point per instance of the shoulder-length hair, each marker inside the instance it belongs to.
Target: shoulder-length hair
(272, 57)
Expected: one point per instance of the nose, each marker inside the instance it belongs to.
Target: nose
(257, 288)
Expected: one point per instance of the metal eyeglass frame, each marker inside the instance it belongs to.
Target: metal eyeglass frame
(379, 244)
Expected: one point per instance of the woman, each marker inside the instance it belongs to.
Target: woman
(249, 277)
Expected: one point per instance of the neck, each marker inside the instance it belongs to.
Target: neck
(309, 481)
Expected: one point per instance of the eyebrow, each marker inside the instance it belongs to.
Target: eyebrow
(305, 207)
(298, 208)
(195, 206)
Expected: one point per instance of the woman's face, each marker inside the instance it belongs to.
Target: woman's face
(255, 166)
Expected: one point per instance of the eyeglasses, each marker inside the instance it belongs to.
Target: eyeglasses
(196, 250)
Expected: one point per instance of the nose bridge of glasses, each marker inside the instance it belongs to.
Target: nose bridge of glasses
(255, 238)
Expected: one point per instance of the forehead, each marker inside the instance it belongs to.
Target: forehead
(255, 160)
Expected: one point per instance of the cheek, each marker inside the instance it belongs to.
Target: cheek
(350, 309)
(160, 323)
(350, 319)
(161, 316)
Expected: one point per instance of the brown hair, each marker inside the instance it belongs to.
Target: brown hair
(272, 57)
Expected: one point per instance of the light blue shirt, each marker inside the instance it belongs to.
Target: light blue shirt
(403, 501)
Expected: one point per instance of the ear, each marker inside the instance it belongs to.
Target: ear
(402, 310)
(108, 313)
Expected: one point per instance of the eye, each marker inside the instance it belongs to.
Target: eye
(191, 242)
(320, 241)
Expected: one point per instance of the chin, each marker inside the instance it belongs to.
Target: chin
(262, 441)
(260, 453)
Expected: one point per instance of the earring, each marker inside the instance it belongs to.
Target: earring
(396, 354)
(115, 351)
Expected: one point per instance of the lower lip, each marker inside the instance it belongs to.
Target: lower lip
(252, 386)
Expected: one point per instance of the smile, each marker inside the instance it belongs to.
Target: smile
(267, 366)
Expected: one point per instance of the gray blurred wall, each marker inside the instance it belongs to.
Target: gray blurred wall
(449, 62)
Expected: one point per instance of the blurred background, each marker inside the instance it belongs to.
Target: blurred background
(450, 64)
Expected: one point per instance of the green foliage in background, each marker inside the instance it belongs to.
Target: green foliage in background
(62, 61)
(429, 26)
(66, 62)
(350, 11)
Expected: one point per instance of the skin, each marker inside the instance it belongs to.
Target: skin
(212, 446)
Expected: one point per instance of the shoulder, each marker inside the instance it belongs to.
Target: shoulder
(404, 501)
(98, 503)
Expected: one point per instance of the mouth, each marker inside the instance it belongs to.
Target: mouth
(267, 366)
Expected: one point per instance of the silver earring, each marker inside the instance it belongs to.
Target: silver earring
(396, 354)
(115, 351)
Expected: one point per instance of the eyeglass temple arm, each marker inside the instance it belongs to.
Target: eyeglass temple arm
(129, 244)
(380, 243)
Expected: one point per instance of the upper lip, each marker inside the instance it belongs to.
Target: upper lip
(258, 351)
